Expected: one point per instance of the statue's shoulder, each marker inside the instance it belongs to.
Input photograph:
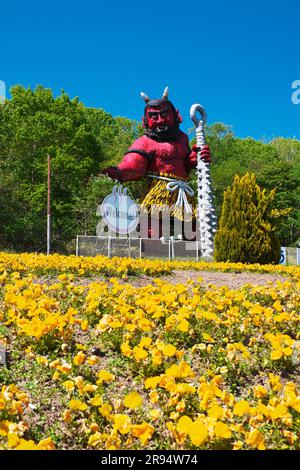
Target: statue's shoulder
(183, 139)
(183, 136)
(142, 143)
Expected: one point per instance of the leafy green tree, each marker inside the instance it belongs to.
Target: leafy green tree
(283, 173)
(247, 226)
(33, 124)
(37, 124)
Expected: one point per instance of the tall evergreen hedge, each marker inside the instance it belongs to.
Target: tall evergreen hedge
(247, 225)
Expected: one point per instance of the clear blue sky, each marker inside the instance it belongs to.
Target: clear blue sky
(237, 58)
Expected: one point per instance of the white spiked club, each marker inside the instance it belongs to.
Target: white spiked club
(206, 211)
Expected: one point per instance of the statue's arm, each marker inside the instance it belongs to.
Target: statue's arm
(133, 165)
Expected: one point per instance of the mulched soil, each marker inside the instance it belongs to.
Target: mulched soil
(206, 279)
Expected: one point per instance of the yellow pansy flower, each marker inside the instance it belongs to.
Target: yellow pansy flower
(183, 326)
(12, 440)
(77, 405)
(122, 423)
(184, 424)
(79, 358)
(133, 400)
(154, 414)
(96, 400)
(198, 433)
(105, 410)
(241, 408)
(139, 353)
(168, 350)
(143, 431)
(216, 412)
(106, 376)
(222, 431)
(255, 439)
(46, 444)
(26, 445)
(95, 439)
(69, 385)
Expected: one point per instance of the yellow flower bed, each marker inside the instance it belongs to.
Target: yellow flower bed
(41, 264)
(159, 366)
(13, 402)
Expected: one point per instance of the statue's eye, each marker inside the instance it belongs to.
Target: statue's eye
(163, 113)
(153, 115)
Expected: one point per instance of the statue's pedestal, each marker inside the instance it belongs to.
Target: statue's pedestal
(156, 227)
(177, 249)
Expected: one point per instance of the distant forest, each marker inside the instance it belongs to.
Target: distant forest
(81, 141)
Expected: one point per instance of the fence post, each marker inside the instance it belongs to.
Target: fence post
(77, 244)
(109, 247)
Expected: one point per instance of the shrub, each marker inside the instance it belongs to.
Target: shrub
(247, 226)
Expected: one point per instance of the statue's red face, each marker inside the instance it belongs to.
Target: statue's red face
(160, 118)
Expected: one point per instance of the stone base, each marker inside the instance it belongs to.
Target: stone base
(156, 227)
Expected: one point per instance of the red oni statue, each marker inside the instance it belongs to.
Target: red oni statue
(164, 156)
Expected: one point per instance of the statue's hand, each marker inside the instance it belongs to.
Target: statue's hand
(204, 153)
(112, 172)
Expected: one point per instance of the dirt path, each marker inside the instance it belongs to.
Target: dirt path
(231, 280)
(206, 278)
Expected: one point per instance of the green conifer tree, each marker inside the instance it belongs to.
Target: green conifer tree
(247, 225)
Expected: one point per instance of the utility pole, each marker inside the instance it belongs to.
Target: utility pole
(49, 208)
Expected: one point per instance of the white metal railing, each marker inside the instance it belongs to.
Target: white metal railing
(185, 249)
(173, 248)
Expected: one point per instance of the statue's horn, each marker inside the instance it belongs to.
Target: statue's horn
(165, 93)
(145, 97)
